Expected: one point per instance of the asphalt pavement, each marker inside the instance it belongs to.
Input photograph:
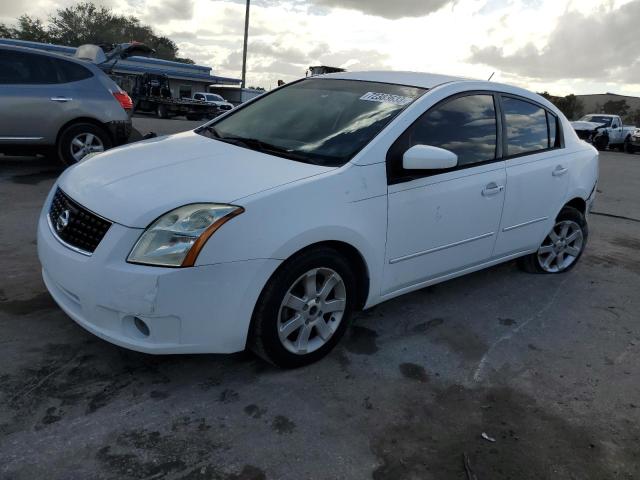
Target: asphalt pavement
(546, 367)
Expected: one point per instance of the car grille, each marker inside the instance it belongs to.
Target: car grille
(225, 107)
(76, 226)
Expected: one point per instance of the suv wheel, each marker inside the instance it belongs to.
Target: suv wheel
(563, 247)
(304, 309)
(80, 139)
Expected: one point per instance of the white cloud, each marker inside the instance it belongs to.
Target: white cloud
(532, 43)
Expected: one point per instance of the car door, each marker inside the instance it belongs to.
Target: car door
(615, 132)
(537, 175)
(444, 221)
(32, 98)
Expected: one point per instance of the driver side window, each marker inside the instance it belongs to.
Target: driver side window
(465, 125)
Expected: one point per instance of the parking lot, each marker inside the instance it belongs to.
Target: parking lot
(546, 366)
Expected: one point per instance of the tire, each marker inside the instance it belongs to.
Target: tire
(162, 112)
(627, 147)
(601, 143)
(267, 336)
(562, 246)
(93, 138)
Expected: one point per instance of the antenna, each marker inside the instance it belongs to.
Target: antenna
(491, 76)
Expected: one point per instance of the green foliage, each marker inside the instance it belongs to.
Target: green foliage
(633, 118)
(87, 23)
(616, 107)
(571, 106)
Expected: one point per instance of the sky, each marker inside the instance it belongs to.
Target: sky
(559, 46)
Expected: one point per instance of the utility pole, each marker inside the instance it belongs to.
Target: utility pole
(244, 51)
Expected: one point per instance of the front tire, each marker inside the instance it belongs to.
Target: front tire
(563, 247)
(80, 139)
(601, 143)
(304, 309)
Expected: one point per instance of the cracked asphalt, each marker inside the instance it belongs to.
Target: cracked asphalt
(547, 366)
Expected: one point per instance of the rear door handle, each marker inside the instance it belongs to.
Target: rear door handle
(560, 170)
(61, 99)
(492, 189)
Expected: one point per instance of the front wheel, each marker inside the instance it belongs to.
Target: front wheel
(563, 247)
(601, 143)
(304, 309)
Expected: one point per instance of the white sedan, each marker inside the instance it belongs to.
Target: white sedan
(269, 226)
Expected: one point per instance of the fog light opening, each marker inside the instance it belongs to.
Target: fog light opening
(141, 326)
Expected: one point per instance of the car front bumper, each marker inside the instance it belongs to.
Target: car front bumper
(204, 309)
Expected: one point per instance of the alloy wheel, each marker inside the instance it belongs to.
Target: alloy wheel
(561, 247)
(311, 311)
(85, 143)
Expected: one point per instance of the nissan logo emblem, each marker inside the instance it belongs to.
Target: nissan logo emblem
(62, 221)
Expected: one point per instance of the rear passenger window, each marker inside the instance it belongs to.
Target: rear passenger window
(465, 126)
(526, 127)
(26, 68)
(70, 71)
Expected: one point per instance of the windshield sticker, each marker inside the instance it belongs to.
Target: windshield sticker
(386, 98)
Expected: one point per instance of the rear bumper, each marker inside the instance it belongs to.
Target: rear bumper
(119, 131)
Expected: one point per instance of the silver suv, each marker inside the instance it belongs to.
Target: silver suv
(52, 102)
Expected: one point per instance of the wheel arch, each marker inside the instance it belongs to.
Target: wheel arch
(90, 120)
(355, 258)
(578, 203)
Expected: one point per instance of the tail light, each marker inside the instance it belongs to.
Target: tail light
(124, 100)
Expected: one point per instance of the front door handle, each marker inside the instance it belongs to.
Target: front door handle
(560, 170)
(61, 99)
(492, 189)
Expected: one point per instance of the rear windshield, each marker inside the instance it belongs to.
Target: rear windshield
(320, 121)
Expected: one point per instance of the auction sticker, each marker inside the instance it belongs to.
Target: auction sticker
(386, 98)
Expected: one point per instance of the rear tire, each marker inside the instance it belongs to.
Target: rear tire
(562, 248)
(304, 309)
(627, 147)
(80, 139)
(162, 112)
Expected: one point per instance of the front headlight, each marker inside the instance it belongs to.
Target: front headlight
(176, 238)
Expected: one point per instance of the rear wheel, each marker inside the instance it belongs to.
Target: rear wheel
(628, 148)
(162, 111)
(563, 247)
(304, 309)
(80, 139)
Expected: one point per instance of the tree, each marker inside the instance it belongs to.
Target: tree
(571, 106)
(633, 118)
(88, 23)
(616, 107)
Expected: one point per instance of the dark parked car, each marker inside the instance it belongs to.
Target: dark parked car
(50, 102)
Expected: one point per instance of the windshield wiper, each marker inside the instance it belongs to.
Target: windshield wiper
(255, 144)
(259, 145)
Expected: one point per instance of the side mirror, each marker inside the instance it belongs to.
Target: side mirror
(425, 157)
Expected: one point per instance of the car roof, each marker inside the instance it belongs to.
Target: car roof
(414, 79)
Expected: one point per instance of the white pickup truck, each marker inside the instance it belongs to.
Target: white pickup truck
(604, 131)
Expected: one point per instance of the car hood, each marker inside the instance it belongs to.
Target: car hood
(135, 184)
(580, 125)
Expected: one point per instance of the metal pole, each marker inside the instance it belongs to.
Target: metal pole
(244, 51)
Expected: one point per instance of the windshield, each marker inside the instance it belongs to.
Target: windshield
(214, 98)
(597, 119)
(320, 121)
